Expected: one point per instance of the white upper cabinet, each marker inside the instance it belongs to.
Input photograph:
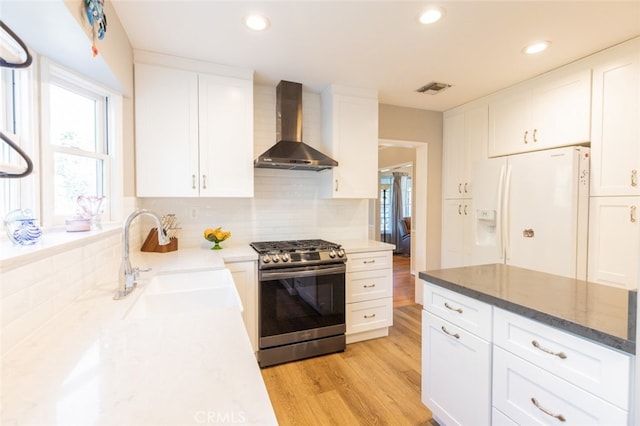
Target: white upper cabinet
(615, 133)
(226, 136)
(550, 111)
(194, 130)
(465, 142)
(350, 133)
(166, 132)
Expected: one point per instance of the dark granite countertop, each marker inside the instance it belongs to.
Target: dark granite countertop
(601, 313)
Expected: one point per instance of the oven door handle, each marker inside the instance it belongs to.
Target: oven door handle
(302, 272)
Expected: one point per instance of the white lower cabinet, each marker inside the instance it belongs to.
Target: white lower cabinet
(499, 419)
(245, 279)
(484, 365)
(595, 368)
(529, 395)
(456, 373)
(369, 295)
(614, 241)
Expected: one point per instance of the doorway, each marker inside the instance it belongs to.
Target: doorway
(396, 201)
(419, 150)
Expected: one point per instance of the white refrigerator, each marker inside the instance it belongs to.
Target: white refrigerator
(531, 210)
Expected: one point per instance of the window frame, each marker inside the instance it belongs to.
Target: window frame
(112, 158)
(19, 118)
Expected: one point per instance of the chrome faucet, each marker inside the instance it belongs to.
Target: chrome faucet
(128, 275)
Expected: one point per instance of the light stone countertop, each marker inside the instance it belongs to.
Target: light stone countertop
(364, 245)
(90, 366)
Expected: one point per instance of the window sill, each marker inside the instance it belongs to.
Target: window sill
(53, 241)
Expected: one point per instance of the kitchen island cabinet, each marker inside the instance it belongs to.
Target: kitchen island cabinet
(456, 357)
(194, 128)
(560, 347)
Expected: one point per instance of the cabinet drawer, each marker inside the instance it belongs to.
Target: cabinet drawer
(470, 314)
(369, 315)
(369, 261)
(456, 373)
(499, 419)
(593, 367)
(519, 385)
(369, 285)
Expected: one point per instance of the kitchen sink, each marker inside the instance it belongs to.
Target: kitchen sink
(185, 293)
(189, 281)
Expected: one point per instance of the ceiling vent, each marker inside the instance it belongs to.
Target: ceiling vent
(433, 88)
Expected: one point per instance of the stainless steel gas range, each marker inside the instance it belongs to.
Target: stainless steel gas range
(301, 299)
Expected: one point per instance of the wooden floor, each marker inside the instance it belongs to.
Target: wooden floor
(376, 382)
(403, 282)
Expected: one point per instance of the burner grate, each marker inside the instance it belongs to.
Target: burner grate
(293, 246)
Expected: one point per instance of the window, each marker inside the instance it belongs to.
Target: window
(386, 182)
(78, 147)
(17, 120)
(387, 221)
(77, 135)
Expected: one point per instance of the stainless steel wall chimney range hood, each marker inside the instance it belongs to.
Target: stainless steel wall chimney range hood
(290, 152)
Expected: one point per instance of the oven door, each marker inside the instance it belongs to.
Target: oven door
(301, 304)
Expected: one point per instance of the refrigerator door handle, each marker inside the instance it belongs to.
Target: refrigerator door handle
(506, 217)
(499, 211)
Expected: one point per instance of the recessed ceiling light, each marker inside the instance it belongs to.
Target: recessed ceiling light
(256, 22)
(431, 15)
(536, 47)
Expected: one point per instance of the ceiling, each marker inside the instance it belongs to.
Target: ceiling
(476, 47)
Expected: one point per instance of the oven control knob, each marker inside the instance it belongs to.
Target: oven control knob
(266, 259)
(285, 257)
(340, 253)
(275, 258)
(332, 254)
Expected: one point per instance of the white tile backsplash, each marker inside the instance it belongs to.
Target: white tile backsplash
(33, 293)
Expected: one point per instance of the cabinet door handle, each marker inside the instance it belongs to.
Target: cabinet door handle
(632, 214)
(370, 316)
(458, 310)
(460, 209)
(634, 178)
(535, 137)
(193, 181)
(456, 335)
(336, 185)
(466, 187)
(465, 209)
(460, 188)
(526, 132)
(369, 261)
(369, 285)
(204, 181)
(536, 345)
(546, 411)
